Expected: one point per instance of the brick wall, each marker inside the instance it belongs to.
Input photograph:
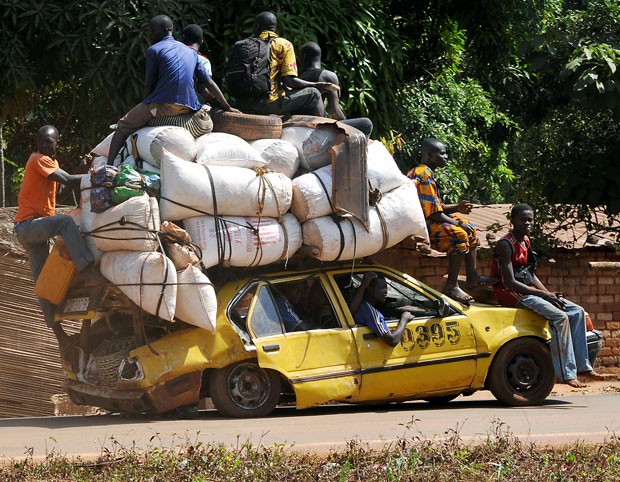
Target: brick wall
(597, 291)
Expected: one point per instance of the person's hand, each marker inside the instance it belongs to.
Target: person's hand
(555, 299)
(407, 317)
(469, 228)
(84, 164)
(465, 206)
(368, 277)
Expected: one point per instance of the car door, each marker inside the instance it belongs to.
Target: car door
(319, 360)
(437, 353)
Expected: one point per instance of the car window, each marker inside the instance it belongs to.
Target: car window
(399, 296)
(265, 318)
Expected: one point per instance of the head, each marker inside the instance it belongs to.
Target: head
(377, 290)
(309, 52)
(192, 34)
(265, 21)
(161, 26)
(47, 140)
(434, 153)
(522, 219)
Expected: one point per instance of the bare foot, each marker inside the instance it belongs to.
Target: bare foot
(575, 383)
(592, 376)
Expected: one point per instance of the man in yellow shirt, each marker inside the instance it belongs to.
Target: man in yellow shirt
(289, 94)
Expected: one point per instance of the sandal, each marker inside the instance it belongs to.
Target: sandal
(459, 295)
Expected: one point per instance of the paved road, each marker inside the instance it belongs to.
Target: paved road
(561, 419)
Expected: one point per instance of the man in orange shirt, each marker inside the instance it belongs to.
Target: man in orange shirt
(36, 222)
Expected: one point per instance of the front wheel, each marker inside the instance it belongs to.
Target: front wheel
(245, 390)
(522, 373)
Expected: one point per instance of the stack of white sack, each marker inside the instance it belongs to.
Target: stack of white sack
(395, 217)
(237, 215)
(124, 240)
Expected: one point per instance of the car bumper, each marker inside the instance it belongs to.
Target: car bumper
(595, 342)
(163, 397)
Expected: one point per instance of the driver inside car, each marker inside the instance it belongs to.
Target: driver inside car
(371, 292)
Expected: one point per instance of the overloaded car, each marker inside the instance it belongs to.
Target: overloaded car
(124, 360)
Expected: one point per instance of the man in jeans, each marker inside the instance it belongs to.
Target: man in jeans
(567, 320)
(36, 222)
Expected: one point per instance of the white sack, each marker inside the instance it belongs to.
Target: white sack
(87, 218)
(186, 191)
(222, 149)
(129, 226)
(240, 246)
(196, 299)
(281, 156)
(151, 142)
(141, 277)
(383, 172)
(402, 215)
(103, 148)
(312, 145)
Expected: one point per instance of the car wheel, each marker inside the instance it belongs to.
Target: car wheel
(441, 400)
(247, 126)
(245, 390)
(522, 373)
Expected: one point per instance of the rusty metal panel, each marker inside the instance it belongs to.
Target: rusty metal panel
(348, 153)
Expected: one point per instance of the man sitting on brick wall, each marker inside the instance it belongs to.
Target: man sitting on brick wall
(514, 264)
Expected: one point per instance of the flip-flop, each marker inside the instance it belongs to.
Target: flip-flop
(461, 297)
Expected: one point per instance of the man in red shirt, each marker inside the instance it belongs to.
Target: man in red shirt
(36, 221)
(519, 286)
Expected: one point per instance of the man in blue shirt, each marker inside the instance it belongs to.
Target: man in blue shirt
(169, 85)
(371, 291)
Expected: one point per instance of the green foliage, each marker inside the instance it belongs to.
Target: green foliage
(462, 115)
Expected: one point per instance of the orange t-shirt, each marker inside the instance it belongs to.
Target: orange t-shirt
(37, 195)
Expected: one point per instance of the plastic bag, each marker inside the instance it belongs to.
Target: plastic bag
(103, 180)
(130, 183)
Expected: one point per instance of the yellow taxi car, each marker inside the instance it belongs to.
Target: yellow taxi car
(257, 358)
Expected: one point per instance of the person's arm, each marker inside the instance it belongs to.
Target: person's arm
(214, 90)
(463, 207)
(332, 96)
(392, 338)
(294, 82)
(358, 297)
(63, 177)
(503, 250)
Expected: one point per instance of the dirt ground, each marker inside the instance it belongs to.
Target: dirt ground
(611, 386)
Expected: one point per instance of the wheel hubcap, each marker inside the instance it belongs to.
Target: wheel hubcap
(523, 372)
(248, 386)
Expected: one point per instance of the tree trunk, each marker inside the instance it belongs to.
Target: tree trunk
(2, 192)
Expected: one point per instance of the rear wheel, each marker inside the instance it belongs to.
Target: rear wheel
(522, 373)
(245, 390)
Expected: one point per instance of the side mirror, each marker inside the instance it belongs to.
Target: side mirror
(443, 309)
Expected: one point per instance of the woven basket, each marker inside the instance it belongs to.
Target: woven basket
(108, 356)
(198, 123)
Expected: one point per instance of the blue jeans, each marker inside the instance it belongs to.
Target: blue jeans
(35, 234)
(569, 347)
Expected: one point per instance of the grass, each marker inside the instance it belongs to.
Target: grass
(501, 457)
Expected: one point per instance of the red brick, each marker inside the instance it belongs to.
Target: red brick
(604, 317)
(590, 299)
(613, 325)
(605, 298)
(607, 280)
(612, 342)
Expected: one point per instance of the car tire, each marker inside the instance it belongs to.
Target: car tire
(249, 127)
(245, 390)
(522, 373)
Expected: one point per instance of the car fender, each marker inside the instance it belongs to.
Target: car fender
(494, 327)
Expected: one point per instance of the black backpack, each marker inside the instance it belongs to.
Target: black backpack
(247, 68)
